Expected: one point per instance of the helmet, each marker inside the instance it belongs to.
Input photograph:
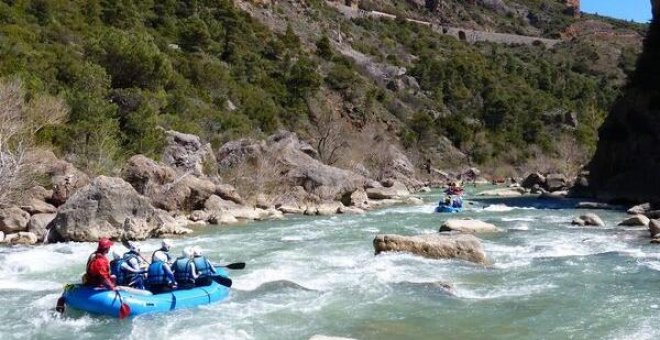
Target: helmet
(166, 243)
(104, 243)
(134, 246)
(115, 254)
(159, 256)
(197, 251)
(187, 252)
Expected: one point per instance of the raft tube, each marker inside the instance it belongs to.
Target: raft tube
(447, 209)
(106, 302)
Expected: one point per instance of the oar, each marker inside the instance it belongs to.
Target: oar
(237, 265)
(124, 309)
(60, 304)
(225, 281)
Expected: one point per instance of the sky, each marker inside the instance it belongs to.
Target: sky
(636, 10)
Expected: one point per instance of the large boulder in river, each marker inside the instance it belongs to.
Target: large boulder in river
(187, 154)
(637, 220)
(589, 219)
(39, 224)
(436, 246)
(534, 179)
(34, 199)
(468, 226)
(66, 180)
(147, 175)
(102, 209)
(396, 190)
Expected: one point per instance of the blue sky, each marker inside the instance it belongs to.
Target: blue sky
(637, 10)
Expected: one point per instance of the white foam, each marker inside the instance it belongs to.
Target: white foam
(522, 219)
(488, 293)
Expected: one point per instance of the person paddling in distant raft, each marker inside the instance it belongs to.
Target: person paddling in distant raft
(204, 268)
(98, 267)
(165, 247)
(184, 269)
(159, 275)
(123, 272)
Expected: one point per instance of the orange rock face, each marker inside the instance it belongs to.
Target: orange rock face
(573, 6)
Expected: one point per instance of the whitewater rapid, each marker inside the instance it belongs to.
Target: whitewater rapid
(308, 276)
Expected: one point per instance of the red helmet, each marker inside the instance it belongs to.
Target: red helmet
(105, 243)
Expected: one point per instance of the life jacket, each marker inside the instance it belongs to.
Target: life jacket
(457, 203)
(118, 271)
(156, 274)
(181, 269)
(167, 254)
(202, 265)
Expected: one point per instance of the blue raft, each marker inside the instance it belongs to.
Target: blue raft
(106, 302)
(447, 209)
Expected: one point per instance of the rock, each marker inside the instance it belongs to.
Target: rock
(13, 219)
(262, 202)
(553, 195)
(186, 154)
(101, 209)
(147, 175)
(556, 182)
(222, 218)
(22, 237)
(654, 228)
(329, 208)
(358, 199)
(436, 246)
(187, 193)
(503, 192)
(468, 226)
(351, 210)
(397, 190)
(38, 224)
(589, 219)
(199, 215)
(425, 189)
(596, 205)
(291, 209)
(34, 201)
(166, 225)
(66, 180)
(228, 192)
(640, 209)
(534, 179)
(637, 220)
(215, 203)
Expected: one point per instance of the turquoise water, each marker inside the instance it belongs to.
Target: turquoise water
(307, 276)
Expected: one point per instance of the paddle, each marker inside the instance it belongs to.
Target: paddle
(225, 281)
(237, 265)
(124, 309)
(60, 304)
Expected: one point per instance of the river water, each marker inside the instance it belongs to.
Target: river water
(308, 276)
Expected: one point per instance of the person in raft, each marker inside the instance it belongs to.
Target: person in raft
(124, 274)
(137, 263)
(159, 275)
(165, 247)
(203, 267)
(98, 267)
(184, 269)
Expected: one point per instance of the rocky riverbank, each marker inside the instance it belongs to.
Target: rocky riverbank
(195, 186)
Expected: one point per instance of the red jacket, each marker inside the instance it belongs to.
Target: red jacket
(98, 271)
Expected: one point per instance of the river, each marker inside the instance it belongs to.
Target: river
(318, 275)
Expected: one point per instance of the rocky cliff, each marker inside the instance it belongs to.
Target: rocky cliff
(627, 160)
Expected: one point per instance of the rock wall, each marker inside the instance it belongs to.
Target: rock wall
(627, 160)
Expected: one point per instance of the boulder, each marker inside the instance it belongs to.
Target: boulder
(596, 205)
(468, 226)
(640, 209)
(101, 209)
(187, 193)
(38, 224)
(228, 192)
(66, 180)
(589, 219)
(534, 179)
(436, 246)
(556, 182)
(146, 175)
(357, 198)
(329, 208)
(654, 228)
(396, 190)
(34, 201)
(22, 237)
(221, 217)
(199, 215)
(504, 192)
(13, 220)
(187, 154)
(262, 202)
(637, 220)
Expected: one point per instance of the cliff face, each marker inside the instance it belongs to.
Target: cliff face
(626, 165)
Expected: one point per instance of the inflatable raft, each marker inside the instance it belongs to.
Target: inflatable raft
(447, 209)
(106, 302)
